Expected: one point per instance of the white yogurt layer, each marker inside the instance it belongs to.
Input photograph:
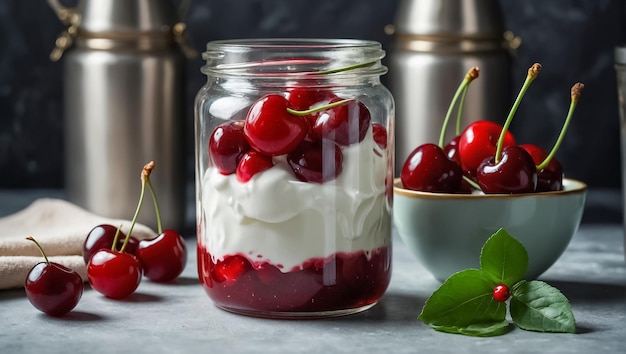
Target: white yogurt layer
(274, 217)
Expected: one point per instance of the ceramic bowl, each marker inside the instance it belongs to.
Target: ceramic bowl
(447, 231)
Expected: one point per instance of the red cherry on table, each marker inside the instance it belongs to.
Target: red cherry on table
(164, 257)
(318, 161)
(549, 178)
(515, 172)
(52, 288)
(227, 145)
(270, 129)
(101, 236)
(428, 169)
(345, 124)
(114, 274)
(478, 141)
(252, 163)
(501, 293)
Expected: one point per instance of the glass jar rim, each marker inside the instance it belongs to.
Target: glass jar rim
(293, 57)
(293, 43)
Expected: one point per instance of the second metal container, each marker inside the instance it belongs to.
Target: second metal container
(123, 107)
(436, 43)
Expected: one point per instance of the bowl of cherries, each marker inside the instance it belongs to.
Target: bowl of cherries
(451, 196)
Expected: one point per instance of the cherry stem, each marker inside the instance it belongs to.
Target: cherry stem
(533, 72)
(30, 238)
(576, 91)
(115, 237)
(149, 166)
(472, 183)
(459, 111)
(346, 68)
(318, 109)
(154, 197)
(469, 77)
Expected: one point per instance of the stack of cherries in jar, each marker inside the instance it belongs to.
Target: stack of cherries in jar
(485, 157)
(308, 126)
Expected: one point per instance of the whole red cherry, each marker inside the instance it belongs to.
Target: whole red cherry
(549, 169)
(345, 124)
(514, 172)
(101, 236)
(164, 257)
(484, 139)
(227, 145)
(478, 141)
(114, 274)
(251, 163)
(428, 169)
(271, 129)
(318, 161)
(52, 288)
(549, 178)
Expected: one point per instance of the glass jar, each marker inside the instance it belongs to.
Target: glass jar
(294, 207)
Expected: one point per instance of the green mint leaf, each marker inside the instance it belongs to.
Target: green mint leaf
(503, 258)
(537, 306)
(478, 330)
(464, 303)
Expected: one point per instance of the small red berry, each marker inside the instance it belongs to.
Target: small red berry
(501, 293)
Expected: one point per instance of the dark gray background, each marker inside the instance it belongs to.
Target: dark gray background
(574, 41)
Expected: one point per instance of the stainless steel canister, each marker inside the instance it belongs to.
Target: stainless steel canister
(620, 67)
(436, 43)
(123, 106)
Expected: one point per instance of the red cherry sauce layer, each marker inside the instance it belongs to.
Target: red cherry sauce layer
(340, 281)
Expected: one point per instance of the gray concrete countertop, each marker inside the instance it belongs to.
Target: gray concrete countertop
(180, 318)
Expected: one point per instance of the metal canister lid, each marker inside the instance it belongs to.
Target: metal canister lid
(127, 16)
(468, 19)
(108, 24)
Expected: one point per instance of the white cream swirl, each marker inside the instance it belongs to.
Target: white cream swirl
(277, 218)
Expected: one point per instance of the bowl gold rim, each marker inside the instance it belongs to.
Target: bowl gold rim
(577, 187)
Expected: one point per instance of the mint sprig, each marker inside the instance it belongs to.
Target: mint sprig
(464, 303)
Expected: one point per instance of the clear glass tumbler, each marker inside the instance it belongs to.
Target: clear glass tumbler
(294, 172)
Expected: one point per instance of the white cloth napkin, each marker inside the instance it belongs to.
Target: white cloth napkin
(60, 227)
